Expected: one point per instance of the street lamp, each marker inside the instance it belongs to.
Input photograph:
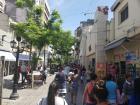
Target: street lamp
(19, 45)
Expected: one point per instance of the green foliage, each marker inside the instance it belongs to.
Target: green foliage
(52, 33)
(38, 10)
(34, 61)
(25, 3)
(20, 3)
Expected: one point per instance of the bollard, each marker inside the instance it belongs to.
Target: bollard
(32, 81)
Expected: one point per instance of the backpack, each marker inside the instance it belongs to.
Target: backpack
(95, 92)
(91, 93)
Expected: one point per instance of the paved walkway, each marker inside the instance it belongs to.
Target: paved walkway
(28, 96)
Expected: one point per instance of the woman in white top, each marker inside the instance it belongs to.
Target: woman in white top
(53, 96)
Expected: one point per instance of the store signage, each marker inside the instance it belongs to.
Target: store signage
(130, 56)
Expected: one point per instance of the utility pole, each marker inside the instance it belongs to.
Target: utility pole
(2, 64)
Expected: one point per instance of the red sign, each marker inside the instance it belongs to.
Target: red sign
(101, 66)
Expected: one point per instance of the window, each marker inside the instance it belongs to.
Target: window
(124, 13)
(89, 48)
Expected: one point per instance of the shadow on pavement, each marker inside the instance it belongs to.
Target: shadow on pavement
(8, 84)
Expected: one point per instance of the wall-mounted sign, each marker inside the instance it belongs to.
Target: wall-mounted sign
(130, 56)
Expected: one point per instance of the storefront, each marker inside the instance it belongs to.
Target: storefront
(9, 62)
(125, 57)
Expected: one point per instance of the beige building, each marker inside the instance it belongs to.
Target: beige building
(78, 37)
(92, 41)
(84, 31)
(90, 47)
(123, 48)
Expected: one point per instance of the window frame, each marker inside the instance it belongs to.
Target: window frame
(125, 12)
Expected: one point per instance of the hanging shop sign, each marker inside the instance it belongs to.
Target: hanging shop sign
(130, 56)
(101, 66)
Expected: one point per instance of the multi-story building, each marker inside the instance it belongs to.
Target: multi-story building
(123, 49)
(92, 41)
(90, 47)
(78, 32)
(2, 6)
(16, 14)
(101, 24)
(10, 14)
(84, 25)
(46, 9)
(45, 18)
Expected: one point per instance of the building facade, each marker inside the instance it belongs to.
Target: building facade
(2, 6)
(45, 17)
(123, 49)
(93, 35)
(84, 31)
(101, 17)
(46, 9)
(9, 13)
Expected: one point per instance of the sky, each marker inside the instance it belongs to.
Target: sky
(72, 11)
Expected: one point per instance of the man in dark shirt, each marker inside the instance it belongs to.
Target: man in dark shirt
(137, 89)
(60, 79)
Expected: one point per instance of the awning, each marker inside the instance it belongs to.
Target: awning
(8, 56)
(115, 43)
(22, 57)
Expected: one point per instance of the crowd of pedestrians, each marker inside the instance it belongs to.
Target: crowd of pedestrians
(105, 91)
(24, 69)
(24, 72)
(97, 91)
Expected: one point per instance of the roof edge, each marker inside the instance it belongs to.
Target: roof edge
(115, 5)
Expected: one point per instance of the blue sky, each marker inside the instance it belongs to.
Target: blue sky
(72, 11)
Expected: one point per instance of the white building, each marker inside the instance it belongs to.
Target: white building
(2, 6)
(46, 8)
(93, 38)
(84, 25)
(123, 47)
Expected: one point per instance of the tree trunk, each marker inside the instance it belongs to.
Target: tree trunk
(44, 59)
(39, 54)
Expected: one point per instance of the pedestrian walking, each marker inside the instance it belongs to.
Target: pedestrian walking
(28, 70)
(43, 73)
(137, 89)
(101, 93)
(112, 89)
(19, 71)
(89, 95)
(54, 98)
(74, 87)
(128, 89)
(61, 80)
(23, 73)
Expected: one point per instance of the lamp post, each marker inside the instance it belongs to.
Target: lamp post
(20, 45)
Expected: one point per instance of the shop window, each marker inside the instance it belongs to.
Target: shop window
(89, 48)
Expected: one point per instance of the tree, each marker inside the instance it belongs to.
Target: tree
(39, 35)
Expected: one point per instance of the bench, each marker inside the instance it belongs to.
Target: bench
(36, 77)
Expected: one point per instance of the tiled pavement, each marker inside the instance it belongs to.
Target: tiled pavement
(28, 96)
